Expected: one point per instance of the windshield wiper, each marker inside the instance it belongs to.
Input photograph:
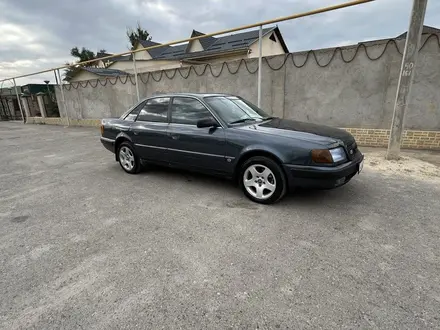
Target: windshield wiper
(242, 120)
(267, 118)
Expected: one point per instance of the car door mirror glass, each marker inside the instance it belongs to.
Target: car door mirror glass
(207, 122)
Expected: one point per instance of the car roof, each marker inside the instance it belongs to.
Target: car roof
(198, 95)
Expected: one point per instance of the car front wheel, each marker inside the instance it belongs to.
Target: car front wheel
(262, 180)
(128, 159)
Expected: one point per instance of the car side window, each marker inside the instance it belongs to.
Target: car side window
(185, 110)
(134, 113)
(155, 110)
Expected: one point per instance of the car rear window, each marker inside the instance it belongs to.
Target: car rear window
(134, 113)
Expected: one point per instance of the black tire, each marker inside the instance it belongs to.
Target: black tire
(136, 164)
(277, 172)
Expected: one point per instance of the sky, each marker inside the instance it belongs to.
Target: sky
(38, 34)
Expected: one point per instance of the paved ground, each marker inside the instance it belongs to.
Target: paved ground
(84, 245)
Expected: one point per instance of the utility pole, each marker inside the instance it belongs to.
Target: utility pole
(260, 56)
(19, 102)
(136, 77)
(407, 71)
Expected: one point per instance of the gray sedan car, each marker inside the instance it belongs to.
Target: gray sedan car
(228, 136)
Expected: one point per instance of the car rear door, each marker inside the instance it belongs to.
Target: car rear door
(149, 131)
(193, 147)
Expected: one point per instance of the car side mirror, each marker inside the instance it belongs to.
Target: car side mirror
(208, 122)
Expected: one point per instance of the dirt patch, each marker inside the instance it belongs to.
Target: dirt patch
(406, 165)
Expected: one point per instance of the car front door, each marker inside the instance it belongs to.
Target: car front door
(149, 131)
(191, 146)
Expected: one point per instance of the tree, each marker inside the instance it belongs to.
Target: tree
(83, 55)
(136, 34)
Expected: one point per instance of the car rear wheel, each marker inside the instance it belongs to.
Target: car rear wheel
(128, 159)
(262, 180)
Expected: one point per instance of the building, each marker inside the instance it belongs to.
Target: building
(37, 100)
(236, 46)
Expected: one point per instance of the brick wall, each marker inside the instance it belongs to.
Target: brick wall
(364, 136)
(411, 139)
(47, 120)
(63, 121)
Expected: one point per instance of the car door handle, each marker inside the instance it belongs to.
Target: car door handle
(174, 136)
(135, 132)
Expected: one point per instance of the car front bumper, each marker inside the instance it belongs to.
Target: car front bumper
(321, 177)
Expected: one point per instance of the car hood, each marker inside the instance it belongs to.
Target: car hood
(304, 131)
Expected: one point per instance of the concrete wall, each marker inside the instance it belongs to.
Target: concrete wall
(96, 103)
(357, 92)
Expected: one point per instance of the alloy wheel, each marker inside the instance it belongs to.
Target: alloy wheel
(126, 158)
(259, 181)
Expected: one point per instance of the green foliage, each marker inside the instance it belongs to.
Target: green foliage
(133, 35)
(136, 34)
(82, 55)
(69, 73)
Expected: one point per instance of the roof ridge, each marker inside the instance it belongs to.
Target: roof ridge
(265, 30)
(206, 42)
(197, 33)
(149, 41)
(227, 43)
(94, 69)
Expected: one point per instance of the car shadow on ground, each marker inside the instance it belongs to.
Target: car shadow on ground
(184, 176)
(299, 196)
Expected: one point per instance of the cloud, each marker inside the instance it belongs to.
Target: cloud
(39, 34)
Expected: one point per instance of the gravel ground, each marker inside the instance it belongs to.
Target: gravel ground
(84, 245)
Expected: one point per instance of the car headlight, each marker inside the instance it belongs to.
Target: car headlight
(338, 154)
(329, 156)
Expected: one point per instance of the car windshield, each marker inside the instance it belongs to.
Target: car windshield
(234, 110)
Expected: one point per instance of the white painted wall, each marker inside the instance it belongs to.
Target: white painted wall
(269, 47)
(195, 46)
(143, 55)
(101, 63)
(220, 59)
(126, 66)
(145, 66)
(84, 75)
